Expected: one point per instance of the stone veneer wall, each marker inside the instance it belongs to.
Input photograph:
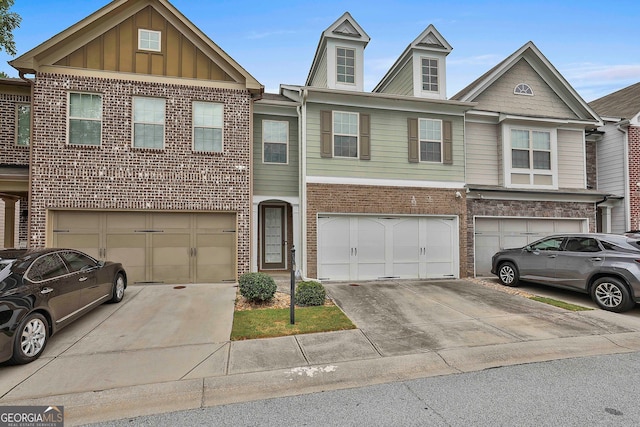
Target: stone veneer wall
(10, 153)
(362, 199)
(591, 164)
(115, 176)
(525, 209)
(634, 176)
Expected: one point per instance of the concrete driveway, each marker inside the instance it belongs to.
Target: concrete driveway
(404, 317)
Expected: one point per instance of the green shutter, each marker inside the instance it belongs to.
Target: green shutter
(365, 143)
(447, 143)
(414, 152)
(325, 134)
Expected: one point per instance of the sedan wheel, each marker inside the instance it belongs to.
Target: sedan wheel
(31, 339)
(611, 294)
(508, 274)
(119, 284)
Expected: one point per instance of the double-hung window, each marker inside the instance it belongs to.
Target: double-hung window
(531, 157)
(430, 140)
(346, 65)
(207, 126)
(23, 124)
(275, 136)
(85, 119)
(345, 134)
(148, 122)
(429, 75)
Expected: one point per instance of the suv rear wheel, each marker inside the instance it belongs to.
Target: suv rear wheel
(611, 294)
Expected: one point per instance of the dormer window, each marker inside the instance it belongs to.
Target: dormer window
(429, 74)
(523, 89)
(345, 65)
(149, 40)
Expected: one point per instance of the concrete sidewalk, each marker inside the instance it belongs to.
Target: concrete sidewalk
(167, 348)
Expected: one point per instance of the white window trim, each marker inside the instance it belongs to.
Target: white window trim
(68, 142)
(333, 134)
(193, 128)
(17, 124)
(515, 89)
(159, 33)
(428, 140)
(506, 157)
(421, 78)
(286, 143)
(355, 66)
(133, 125)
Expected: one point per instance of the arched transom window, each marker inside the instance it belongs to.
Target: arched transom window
(523, 89)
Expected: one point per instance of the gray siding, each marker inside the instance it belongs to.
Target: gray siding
(275, 179)
(483, 154)
(402, 83)
(544, 102)
(571, 159)
(389, 149)
(611, 172)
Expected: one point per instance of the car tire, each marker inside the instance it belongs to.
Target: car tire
(611, 294)
(508, 274)
(30, 340)
(119, 285)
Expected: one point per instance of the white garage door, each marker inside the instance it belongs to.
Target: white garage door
(367, 247)
(154, 246)
(494, 234)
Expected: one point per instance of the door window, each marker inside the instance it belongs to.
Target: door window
(582, 244)
(551, 244)
(77, 261)
(47, 267)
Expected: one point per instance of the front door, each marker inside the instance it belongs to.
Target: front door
(273, 237)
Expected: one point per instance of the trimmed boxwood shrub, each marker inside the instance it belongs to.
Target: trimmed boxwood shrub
(257, 287)
(310, 293)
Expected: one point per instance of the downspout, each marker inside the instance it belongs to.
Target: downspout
(29, 198)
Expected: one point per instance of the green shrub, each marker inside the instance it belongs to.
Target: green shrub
(310, 293)
(257, 287)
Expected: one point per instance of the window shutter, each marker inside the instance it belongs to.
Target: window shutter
(365, 142)
(325, 134)
(414, 153)
(447, 143)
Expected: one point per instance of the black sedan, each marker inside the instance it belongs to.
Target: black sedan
(44, 290)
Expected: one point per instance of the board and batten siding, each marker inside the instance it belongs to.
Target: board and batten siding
(571, 159)
(389, 149)
(544, 102)
(611, 172)
(272, 178)
(483, 149)
(402, 83)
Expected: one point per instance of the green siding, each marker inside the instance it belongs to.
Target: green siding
(402, 83)
(389, 149)
(270, 178)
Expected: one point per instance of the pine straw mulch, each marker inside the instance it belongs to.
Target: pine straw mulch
(279, 300)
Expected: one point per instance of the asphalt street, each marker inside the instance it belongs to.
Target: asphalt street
(588, 391)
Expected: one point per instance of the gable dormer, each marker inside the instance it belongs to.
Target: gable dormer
(421, 69)
(339, 59)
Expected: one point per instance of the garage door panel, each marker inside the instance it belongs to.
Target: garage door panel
(215, 257)
(87, 243)
(125, 220)
(219, 221)
(515, 233)
(130, 250)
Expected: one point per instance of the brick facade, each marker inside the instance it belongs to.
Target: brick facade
(525, 209)
(115, 176)
(634, 176)
(329, 198)
(10, 153)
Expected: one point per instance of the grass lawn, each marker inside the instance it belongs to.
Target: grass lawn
(560, 304)
(275, 322)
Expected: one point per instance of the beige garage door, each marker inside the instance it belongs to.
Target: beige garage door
(157, 247)
(494, 234)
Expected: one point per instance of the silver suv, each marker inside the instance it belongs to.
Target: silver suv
(606, 266)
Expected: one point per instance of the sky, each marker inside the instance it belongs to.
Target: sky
(595, 45)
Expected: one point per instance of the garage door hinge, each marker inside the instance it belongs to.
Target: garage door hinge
(229, 280)
(149, 231)
(60, 231)
(228, 231)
